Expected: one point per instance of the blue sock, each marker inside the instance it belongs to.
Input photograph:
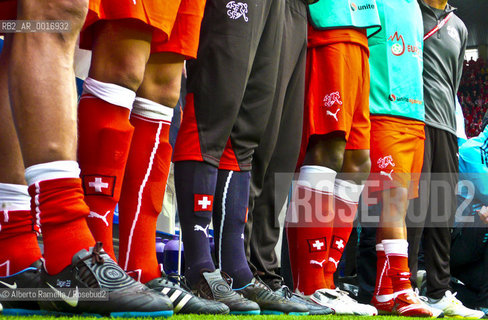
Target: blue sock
(195, 187)
(231, 202)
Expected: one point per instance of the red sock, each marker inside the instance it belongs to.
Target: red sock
(308, 256)
(340, 236)
(346, 197)
(143, 189)
(105, 135)
(383, 284)
(18, 238)
(396, 251)
(309, 227)
(57, 203)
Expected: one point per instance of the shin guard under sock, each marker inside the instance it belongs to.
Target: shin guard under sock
(383, 286)
(309, 224)
(57, 203)
(143, 189)
(396, 251)
(230, 211)
(346, 197)
(105, 135)
(195, 184)
(18, 239)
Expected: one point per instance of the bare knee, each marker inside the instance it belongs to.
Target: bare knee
(122, 70)
(397, 195)
(162, 79)
(333, 159)
(358, 163)
(161, 91)
(71, 11)
(326, 151)
(120, 51)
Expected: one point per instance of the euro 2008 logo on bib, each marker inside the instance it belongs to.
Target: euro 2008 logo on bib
(398, 47)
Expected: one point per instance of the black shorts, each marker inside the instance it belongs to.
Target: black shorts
(231, 84)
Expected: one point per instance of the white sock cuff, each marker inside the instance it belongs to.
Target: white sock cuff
(395, 246)
(380, 247)
(317, 177)
(109, 92)
(52, 170)
(14, 197)
(152, 110)
(347, 191)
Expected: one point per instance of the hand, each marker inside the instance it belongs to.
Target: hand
(483, 213)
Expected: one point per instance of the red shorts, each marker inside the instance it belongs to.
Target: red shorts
(185, 34)
(397, 154)
(337, 94)
(176, 23)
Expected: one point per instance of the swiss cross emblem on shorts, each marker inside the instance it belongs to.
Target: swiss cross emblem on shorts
(338, 243)
(317, 245)
(98, 185)
(203, 202)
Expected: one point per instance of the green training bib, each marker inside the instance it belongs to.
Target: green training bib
(333, 14)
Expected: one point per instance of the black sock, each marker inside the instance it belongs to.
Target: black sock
(195, 187)
(231, 201)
